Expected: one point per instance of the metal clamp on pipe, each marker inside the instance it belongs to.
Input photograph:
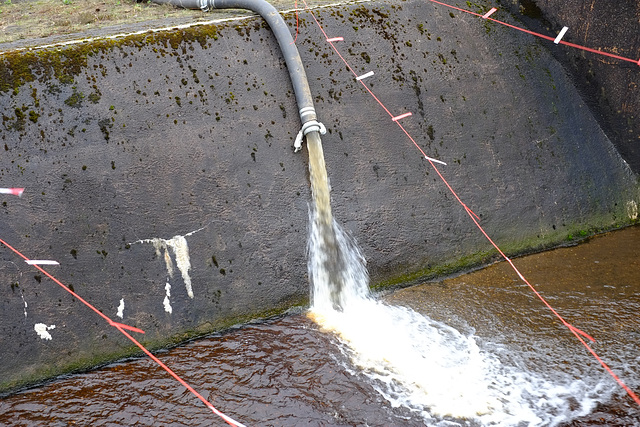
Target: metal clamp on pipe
(310, 126)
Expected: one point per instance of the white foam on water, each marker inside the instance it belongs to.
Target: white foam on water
(449, 377)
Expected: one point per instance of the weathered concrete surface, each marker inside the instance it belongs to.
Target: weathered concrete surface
(610, 87)
(186, 136)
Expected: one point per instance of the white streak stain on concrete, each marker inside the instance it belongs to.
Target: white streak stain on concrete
(632, 210)
(167, 301)
(25, 303)
(161, 247)
(181, 252)
(180, 249)
(43, 330)
(120, 313)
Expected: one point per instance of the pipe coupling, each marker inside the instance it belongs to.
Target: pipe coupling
(310, 126)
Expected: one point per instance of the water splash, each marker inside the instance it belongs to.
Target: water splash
(351, 275)
(448, 376)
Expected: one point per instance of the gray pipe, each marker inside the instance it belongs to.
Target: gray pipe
(289, 51)
(310, 127)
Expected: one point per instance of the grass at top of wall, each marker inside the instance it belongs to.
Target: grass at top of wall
(37, 19)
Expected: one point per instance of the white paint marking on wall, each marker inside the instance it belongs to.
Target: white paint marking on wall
(167, 301)
(25, 304)
(632, 210)
(120, 312)
(43, 330)
(180, 249)
(161, 248)
(181, 252)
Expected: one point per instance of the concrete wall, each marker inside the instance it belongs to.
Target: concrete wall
(129, 148)
(610, 87)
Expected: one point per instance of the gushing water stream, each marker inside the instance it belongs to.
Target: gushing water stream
(448, 376)
(325, 250)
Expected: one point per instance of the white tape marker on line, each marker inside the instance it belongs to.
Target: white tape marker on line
(14, 191)
(488, 14)
(41, 262)
(435, 160)
(364, 76)
(401, 116)
(335, 39)
(561, 35)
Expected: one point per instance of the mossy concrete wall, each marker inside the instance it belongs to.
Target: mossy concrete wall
(159, 170)
(609, 86)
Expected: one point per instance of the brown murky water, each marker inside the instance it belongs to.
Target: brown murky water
(286, 372)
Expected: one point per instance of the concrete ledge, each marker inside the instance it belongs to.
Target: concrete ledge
(130, 147)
